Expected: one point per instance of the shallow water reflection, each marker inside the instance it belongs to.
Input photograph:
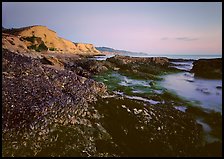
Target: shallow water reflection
(206, 92)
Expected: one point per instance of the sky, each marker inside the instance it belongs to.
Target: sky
(150, 27)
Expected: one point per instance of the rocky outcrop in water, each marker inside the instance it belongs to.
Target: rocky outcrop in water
(126, 60)
(180, 60)
(208, 68)
(146, 68)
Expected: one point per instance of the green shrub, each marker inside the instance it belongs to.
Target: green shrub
(31, 38)
(42, 47)
(34, 47)
(52, 49)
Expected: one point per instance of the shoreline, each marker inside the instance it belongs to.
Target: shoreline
(77, 101)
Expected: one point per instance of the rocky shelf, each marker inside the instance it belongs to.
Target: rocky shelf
(52, 107)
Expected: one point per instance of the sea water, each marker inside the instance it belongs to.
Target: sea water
(205, 93)
(193, 57)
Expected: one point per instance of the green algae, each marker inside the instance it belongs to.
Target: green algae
(150, 89)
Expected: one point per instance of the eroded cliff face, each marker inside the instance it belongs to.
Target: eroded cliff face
(40, 38)
(13, 43)
(86, 47)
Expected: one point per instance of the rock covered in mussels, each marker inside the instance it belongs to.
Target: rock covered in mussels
(47, 112)
(142, 129)
(84, 67)
(40, 102)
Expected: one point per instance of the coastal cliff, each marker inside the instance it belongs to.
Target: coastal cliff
(40, 38)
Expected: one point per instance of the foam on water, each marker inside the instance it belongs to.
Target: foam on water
(137, 98)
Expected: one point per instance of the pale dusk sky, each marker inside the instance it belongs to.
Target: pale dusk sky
(150, 27)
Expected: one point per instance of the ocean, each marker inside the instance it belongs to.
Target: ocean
(202, 92)
(193, 57)
(205, 94)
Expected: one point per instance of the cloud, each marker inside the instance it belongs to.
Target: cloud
(165, 38)
(186, 38)
(179, 38)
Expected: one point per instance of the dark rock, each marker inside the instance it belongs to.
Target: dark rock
(212, 149)
(143, 68)
(180, 60)
(50, 60)
(84, 67)
(190, 80)
(219, 87)
(208, 68)
(213, 119)
(45, 109)
(126, 60)
(147, 130)
(151, 83)
(203, 90)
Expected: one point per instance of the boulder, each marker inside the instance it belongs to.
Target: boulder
(50, 60)
(208, 68)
